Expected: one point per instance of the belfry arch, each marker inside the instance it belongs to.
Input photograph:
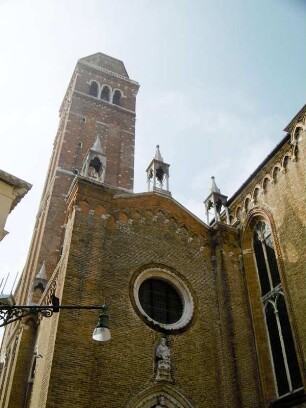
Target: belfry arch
(158, 395)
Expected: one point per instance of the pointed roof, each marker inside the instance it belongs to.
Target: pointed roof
(105, 61)
(97, 147)
(42, 273)
(158, 155)
(214, 187)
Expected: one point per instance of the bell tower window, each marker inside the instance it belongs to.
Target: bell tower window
(93, 90)
(285, 364)
(117, 98)
(105, 93)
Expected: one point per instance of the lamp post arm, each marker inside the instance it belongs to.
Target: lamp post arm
(11, 313)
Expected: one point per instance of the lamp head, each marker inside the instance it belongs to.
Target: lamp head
(102, 332)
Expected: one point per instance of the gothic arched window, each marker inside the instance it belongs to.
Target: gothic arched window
(285, 364)
(105, 93)
(117, 97)
(93, 90)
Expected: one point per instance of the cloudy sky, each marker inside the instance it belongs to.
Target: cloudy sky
(219, 81)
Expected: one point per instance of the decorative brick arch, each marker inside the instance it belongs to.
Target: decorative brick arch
(119, 90)
(285, 162)
(276, 172)
(296, 134)
(256, 193)
(253, 216)
(148, 398)
(247, 203)
(267, 179)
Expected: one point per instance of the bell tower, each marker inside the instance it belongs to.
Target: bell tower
(96, 135)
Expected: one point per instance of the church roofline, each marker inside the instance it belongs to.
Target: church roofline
(120, 193)
(167, 197)
(259, 168)
(296, 118)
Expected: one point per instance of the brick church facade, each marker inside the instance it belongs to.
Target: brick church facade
(203, 314)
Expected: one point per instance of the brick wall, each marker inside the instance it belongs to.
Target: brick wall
(113, 238)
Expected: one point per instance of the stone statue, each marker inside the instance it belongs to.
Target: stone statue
(92, 172)
(160, 402)
(162, 350)
(163, 354)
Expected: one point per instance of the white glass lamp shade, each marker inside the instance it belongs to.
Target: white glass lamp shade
(101, 334)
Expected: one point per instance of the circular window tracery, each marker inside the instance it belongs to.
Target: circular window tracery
(163, 299)
(160, 301)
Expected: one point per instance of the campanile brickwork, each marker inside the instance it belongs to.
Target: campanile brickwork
(84, 115)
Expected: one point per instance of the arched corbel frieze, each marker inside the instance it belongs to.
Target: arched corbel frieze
(285, 162)
(247, 203)
(256, 194)
(297, 133)
(265, 183)
(276, 173)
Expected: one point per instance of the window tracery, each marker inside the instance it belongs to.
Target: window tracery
(284, 359)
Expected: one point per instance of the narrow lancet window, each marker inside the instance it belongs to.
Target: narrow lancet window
(93, 90)
(105, 93)
(284, 359)
(117, 98)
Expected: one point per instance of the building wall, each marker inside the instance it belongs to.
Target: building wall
(96, 239)
(282, 205)
(113, 239)
(82, 119)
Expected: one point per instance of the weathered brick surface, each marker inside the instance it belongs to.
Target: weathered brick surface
(82, 118)
(109, 235)
(108, 247)
(283, 206)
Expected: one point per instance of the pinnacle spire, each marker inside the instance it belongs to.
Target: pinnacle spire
(97, 145)
(158, 174)
(214, 187)
(158, 155)
(42, 272)
(217, 201)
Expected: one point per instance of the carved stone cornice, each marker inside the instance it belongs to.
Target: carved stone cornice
(108, 72)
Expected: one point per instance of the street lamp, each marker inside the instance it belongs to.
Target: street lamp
(101, 332)
(10, 312)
